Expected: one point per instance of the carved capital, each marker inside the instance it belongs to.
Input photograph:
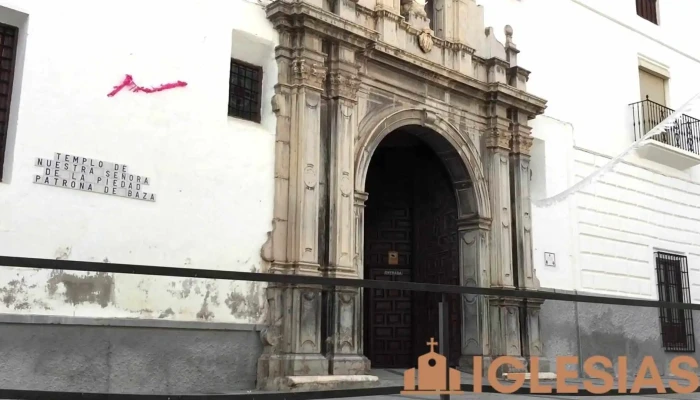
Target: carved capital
(534, 305)
(306, 72)
(522, 144)
(468, 224)
(344, 85)
(360, 198)
(498, 139)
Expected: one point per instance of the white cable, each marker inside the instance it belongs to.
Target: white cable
(660, 128)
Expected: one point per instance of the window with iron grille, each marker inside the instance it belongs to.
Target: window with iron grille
(677, 332)
(244, 93)
(8, 52)
(647, 10)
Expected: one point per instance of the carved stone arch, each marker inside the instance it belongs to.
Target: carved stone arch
(461, 159)
(458, 152)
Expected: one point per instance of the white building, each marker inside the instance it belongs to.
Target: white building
(591, 62)
(212, 176)
(285, 189)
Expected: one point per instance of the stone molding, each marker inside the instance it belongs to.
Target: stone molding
(342, 89)
(283, 14)
(385, 123)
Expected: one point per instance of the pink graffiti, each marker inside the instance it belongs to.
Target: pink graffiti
(129, 82)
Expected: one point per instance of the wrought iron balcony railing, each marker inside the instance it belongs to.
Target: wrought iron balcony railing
(684, 134)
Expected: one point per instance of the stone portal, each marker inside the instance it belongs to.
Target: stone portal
(350, 74)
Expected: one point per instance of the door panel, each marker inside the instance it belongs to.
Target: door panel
(411, 210)
(436, 251)
(388, 227)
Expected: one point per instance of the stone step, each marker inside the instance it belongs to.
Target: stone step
(327, 382)
(541, 376)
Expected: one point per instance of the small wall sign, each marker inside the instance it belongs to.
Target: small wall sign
(393, 272)
(393, 258)
(92, 175)
(549, 260)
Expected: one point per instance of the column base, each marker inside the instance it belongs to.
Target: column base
(348, 364)
(273, 367)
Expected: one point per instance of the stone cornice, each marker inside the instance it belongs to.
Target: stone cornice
(506, 94)
(407, 62)
(300, 15)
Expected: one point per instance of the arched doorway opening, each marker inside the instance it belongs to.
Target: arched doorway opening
(410, 234)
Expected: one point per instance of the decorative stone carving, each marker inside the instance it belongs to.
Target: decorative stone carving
(266, 249)
(498, 139)
(345, 184)
(425, 40)
(344, 85)
(413, 7)
(522, 144)
(275, 103)
(308, 73)
(323, 146)
(310, 176)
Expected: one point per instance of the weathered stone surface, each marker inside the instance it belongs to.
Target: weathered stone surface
(349, 76)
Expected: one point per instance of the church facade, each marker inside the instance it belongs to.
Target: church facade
(378, 139)
(399, 136)
(372, 139)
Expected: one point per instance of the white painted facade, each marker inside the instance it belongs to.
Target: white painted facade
(584, 56)
(212, 174)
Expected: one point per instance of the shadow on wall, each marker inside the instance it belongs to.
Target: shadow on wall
(586, 330)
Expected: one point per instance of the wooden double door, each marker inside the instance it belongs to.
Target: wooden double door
(411, 236)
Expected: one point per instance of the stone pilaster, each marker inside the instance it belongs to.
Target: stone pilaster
(531, 338)
(498, 175)
(292, 341)
(473, 240)
(504, 325)
(521, 143)
(344, 85)
(344, 350)
(522, 213)
(443, 19)
(504, 313)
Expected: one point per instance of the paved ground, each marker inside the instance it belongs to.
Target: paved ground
(492, 396)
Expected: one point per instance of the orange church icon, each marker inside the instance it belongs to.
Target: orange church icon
(432, 375)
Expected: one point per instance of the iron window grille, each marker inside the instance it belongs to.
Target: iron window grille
(677, 332)
(647, 10)
(8, 52)
(245, 89)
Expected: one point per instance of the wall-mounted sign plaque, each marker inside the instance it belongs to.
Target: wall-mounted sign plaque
(91, 175)
(393, 258)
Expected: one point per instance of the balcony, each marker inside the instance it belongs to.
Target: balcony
(677, 146)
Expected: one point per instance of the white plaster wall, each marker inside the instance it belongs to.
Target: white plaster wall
(583, 55)
(212, 174)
